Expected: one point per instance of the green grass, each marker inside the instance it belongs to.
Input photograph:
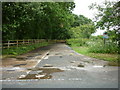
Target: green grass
(107, 57)
(14, 51)
(96, 49)
(81, 50)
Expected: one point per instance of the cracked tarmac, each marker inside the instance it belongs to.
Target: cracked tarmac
(62, 68)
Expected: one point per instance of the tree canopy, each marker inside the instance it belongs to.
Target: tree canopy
(108, 17)
(80, 20)
(36, 19)
(43, 20)
(82, 27)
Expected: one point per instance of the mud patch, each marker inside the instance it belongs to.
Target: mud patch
(45, 74)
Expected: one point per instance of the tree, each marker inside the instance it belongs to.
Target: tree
(36, 20)
(80, 20)
(82, 27)
(83, 31)
(108, 15)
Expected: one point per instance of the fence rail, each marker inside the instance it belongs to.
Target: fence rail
(17, 43)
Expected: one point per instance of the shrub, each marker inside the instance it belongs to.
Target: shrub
(76, 42)
(99, 47)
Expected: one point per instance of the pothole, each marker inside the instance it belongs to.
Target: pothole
(19, 64)
(80, 65)
(47, 54)
(21, 57)
(60, 56)
(87, 61)
(48, 65)
(45, 74)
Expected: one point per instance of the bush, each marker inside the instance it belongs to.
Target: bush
(77, 42)
(99, 47)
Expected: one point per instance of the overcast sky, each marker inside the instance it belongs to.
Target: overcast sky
(82, 8)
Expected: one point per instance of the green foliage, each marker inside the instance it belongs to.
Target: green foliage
(76, 42)
(22, 49)
(99, 47)
(82, 50)
(108, 17)
(113, 58)
(98, 37)
(81, 20)
(83, 31)
(36, 20)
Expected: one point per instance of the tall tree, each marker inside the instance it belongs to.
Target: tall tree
(80, 20)
(36, 20)
(108, 17)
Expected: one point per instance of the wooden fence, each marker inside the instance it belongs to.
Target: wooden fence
(16, 43)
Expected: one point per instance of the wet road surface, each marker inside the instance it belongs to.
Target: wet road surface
(61, 67)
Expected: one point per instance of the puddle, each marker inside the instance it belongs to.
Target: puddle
(45, 74)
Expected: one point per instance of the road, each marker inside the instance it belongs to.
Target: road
(61, 67)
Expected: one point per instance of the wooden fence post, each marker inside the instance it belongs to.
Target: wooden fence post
(17, 43)
(23, 42)
(32, 41)
(8, 44)
(28, 41)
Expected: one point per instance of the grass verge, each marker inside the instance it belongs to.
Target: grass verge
(112, 58)
(14, 51)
